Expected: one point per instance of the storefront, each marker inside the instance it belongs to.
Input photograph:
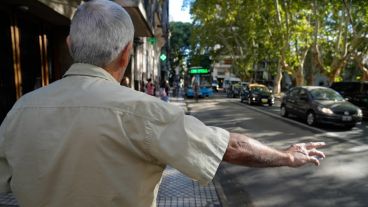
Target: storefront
(33, 52)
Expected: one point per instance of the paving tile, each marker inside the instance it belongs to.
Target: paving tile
(7, 199)
(182, 191)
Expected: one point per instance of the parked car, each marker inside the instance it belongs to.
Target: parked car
(229, 82)
(233, 90)
(354, 92)
(257, 94)
(317, 104)
(215, 85)
(244, 85)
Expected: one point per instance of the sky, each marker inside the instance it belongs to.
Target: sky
(176, 13)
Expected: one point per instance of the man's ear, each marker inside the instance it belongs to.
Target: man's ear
(125, 55)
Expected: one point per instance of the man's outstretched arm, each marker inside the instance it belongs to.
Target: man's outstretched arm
(243, 150)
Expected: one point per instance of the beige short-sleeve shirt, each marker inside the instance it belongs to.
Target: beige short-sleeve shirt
(85, 140)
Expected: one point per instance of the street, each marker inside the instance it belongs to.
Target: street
(341, 180)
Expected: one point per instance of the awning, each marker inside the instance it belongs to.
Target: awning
(66, 8)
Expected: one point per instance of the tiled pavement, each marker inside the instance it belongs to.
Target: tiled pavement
(7, 200)
(176, 190)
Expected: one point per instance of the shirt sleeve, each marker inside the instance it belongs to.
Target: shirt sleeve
(5, 174)
(190, 146)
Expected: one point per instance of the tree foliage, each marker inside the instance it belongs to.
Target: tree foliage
(284, 33)
(180, 33)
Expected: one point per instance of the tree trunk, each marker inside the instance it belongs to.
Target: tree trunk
(278, 78)
(300, 70)
(359, 61)
(336, 67)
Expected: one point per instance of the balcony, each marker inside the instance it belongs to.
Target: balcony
(137, 12)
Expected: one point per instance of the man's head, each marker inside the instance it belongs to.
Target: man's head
(100, 31)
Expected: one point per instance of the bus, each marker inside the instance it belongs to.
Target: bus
(202, 77)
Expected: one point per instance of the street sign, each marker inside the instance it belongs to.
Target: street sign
(198, 71)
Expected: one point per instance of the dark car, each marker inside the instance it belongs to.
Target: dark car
(354, 92)
(317, 104)
(257, 94)
(233, 90)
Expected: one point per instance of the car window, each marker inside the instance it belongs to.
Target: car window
(364, 88)
(303, 92)
(350, 88)
(259, 88)
(326, 94)
(294, 92)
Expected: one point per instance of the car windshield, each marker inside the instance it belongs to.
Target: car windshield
(259, 89)
(326, 94)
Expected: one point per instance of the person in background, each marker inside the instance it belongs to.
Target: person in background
(196, 90)
(164, 91)
(96, 143)
(126, 81)
(150, 87)
(167, 87)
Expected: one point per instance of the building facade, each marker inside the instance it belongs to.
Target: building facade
(222, 70)
(33, 51)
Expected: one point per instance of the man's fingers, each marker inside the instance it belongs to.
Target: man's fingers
(314, 161)
(312, 145)
(314, 152)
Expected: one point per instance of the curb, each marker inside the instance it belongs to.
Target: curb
(220, 193)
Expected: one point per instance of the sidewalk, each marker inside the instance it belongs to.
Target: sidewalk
(175, 190)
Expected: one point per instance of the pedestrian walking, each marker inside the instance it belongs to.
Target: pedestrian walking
(196, 90)
(150, 87)
(164, 91)
(86, 141)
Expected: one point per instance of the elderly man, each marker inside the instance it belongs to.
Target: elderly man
(87, 141)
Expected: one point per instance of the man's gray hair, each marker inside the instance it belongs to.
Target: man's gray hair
(99, 31)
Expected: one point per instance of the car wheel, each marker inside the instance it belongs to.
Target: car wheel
(284, 112)
(311, 118)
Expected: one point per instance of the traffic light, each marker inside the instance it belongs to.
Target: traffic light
(163, 57)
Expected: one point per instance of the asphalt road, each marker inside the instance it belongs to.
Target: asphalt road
(341, 180)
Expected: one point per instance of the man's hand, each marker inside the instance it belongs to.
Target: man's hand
(302, 153)
(243, 150)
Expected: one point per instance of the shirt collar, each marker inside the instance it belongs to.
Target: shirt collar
(83, 69)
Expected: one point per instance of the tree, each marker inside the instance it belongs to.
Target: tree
(344, 37)
(180, 33)
(333, 33)
(223, 29)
